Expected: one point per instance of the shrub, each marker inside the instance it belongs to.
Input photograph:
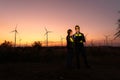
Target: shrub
(37, 44)
(6, 44)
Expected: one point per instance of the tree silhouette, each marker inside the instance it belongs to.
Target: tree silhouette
(37, 44)
(6, 44)
(117, 34)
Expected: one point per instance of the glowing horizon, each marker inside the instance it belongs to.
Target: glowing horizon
(96, 18)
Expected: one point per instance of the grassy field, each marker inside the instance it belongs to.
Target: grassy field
(49, 63)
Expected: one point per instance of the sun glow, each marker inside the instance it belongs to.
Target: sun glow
(57, 16)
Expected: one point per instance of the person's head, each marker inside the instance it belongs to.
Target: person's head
(69, 32)
(77, 28)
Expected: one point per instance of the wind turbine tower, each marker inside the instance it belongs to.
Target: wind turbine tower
(15, 31)
(106, 39)
(62, 40)
(47, 32)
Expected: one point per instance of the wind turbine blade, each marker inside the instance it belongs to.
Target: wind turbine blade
(16, 31)
(46, 33)
(117, 36)
(46, 29)
(16, 27)
(49, 31)
(12, 31)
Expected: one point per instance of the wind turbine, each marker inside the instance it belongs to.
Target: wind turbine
(86, 38)
(106, 39)
(15, 31)
(47, 32)
(92, 43)
(20, 41)
(62, 40)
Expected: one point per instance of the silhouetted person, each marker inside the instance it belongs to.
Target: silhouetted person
(79, 41)
(70, 48)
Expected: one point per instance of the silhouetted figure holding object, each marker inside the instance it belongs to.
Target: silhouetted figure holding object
(70, 48)
(79, 41)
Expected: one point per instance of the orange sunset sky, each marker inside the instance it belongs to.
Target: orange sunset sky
(95, 17)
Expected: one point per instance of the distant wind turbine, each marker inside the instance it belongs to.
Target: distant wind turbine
(15, 31)
(86, 36)
(62, 40)
(20, 41)
(106, 39)
(92, 43)
(47, 32)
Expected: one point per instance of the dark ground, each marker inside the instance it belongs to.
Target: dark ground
(105, 65)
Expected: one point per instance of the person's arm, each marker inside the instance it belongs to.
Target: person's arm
(68, 39)
(74, 37)
(84, 40)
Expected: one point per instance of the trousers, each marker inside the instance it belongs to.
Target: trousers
(80, 50)
(70, 53)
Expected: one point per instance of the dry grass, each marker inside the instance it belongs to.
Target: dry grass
(49, 63)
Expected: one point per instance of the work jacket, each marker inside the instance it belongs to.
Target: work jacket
(79, 39)
(70, 41)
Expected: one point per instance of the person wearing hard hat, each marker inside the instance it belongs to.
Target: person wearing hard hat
(79, 41)
(70, 48)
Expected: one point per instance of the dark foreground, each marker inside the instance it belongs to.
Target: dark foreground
(105, 65)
